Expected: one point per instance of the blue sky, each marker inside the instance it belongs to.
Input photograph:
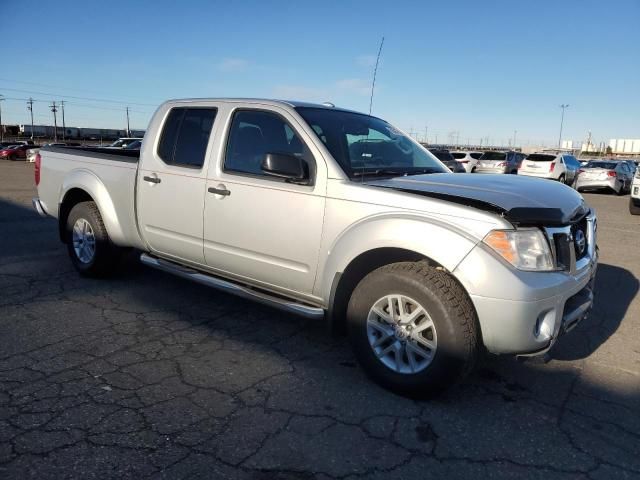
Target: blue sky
(480, 68)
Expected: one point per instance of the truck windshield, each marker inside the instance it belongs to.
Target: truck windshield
(364, 145)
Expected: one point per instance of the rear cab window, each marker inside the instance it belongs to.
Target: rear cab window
(185, 136)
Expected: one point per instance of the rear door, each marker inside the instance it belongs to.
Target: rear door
(172, 183)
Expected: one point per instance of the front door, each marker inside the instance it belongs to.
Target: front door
(260, 227)
(172, 184)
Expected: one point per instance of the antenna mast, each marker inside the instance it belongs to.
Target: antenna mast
(375, 71)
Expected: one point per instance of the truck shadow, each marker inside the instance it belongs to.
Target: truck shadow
(615, 290)
(569, 414)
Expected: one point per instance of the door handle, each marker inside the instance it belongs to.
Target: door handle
(151, 179)
(219, 191)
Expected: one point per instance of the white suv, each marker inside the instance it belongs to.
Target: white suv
(555, 166)
(634, 200)
(468, 159)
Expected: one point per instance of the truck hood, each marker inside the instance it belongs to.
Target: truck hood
(521, 200)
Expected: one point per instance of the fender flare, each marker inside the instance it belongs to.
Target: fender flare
(87, 181)
(429, 237)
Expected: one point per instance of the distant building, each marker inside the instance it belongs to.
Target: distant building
(624, 145)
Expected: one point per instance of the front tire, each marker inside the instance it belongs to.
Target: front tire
(89, 246)
(413, 328)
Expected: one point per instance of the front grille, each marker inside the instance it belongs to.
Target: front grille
(572, 243)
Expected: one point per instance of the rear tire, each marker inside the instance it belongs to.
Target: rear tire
(89, 246)
(562, 179)
(634, 209)
(429, 353)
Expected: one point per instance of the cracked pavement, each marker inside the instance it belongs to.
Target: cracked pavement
(148, 375)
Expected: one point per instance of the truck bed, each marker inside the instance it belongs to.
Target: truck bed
(116, 154)
(108, 175)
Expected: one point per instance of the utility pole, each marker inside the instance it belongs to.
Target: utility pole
(426, 134)
(128, 129)
(64, 127)
(1, 129)
(54, 109)
(563, 107)
(515, 132)
(30, 108)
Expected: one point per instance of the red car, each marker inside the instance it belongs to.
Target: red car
(15, 152)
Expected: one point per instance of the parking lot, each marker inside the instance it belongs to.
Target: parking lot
(148, 375)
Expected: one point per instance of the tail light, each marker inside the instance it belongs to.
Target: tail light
(503, 164)
(580, 171)
(36, 169)
(464, 161)
(611, 174)
(552, 166)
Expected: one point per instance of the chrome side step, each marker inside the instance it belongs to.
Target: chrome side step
(229, 287)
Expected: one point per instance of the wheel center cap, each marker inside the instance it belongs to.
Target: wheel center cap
(400, 332)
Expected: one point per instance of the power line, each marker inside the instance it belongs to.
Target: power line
(58, 86)
(77, 97)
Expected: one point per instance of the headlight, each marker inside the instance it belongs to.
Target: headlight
(525, 249)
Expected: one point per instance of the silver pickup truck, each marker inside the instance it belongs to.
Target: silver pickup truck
(329, 213)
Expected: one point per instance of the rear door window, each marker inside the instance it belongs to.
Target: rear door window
(185, 136)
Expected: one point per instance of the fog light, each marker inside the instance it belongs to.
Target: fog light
(545, 324)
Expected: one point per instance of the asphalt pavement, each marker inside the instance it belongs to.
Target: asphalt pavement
(148, 375)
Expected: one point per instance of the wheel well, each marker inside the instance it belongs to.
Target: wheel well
(359, 267)
(71, 199)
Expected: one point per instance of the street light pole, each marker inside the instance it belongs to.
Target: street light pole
(30, 108)
(1, 129)
(64, 127)
(55, 121)
(515, 132)
(128, 129)
(563, 107)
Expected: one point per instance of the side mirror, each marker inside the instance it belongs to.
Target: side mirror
(285, 166)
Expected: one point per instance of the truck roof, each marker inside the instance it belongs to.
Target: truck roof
(267, 101)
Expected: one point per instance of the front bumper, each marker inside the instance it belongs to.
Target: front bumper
(524, 313)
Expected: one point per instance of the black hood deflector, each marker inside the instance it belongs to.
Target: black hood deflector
(521, 200)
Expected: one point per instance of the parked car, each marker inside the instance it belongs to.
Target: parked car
(468, 159)
(634, 198)
(562, 167)
(611, 175)
(34, 149)
(123, 142)
(134, 145)
(15, 152)
(633, 166)
(424, 269)
(498, 162)
(448, 159)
